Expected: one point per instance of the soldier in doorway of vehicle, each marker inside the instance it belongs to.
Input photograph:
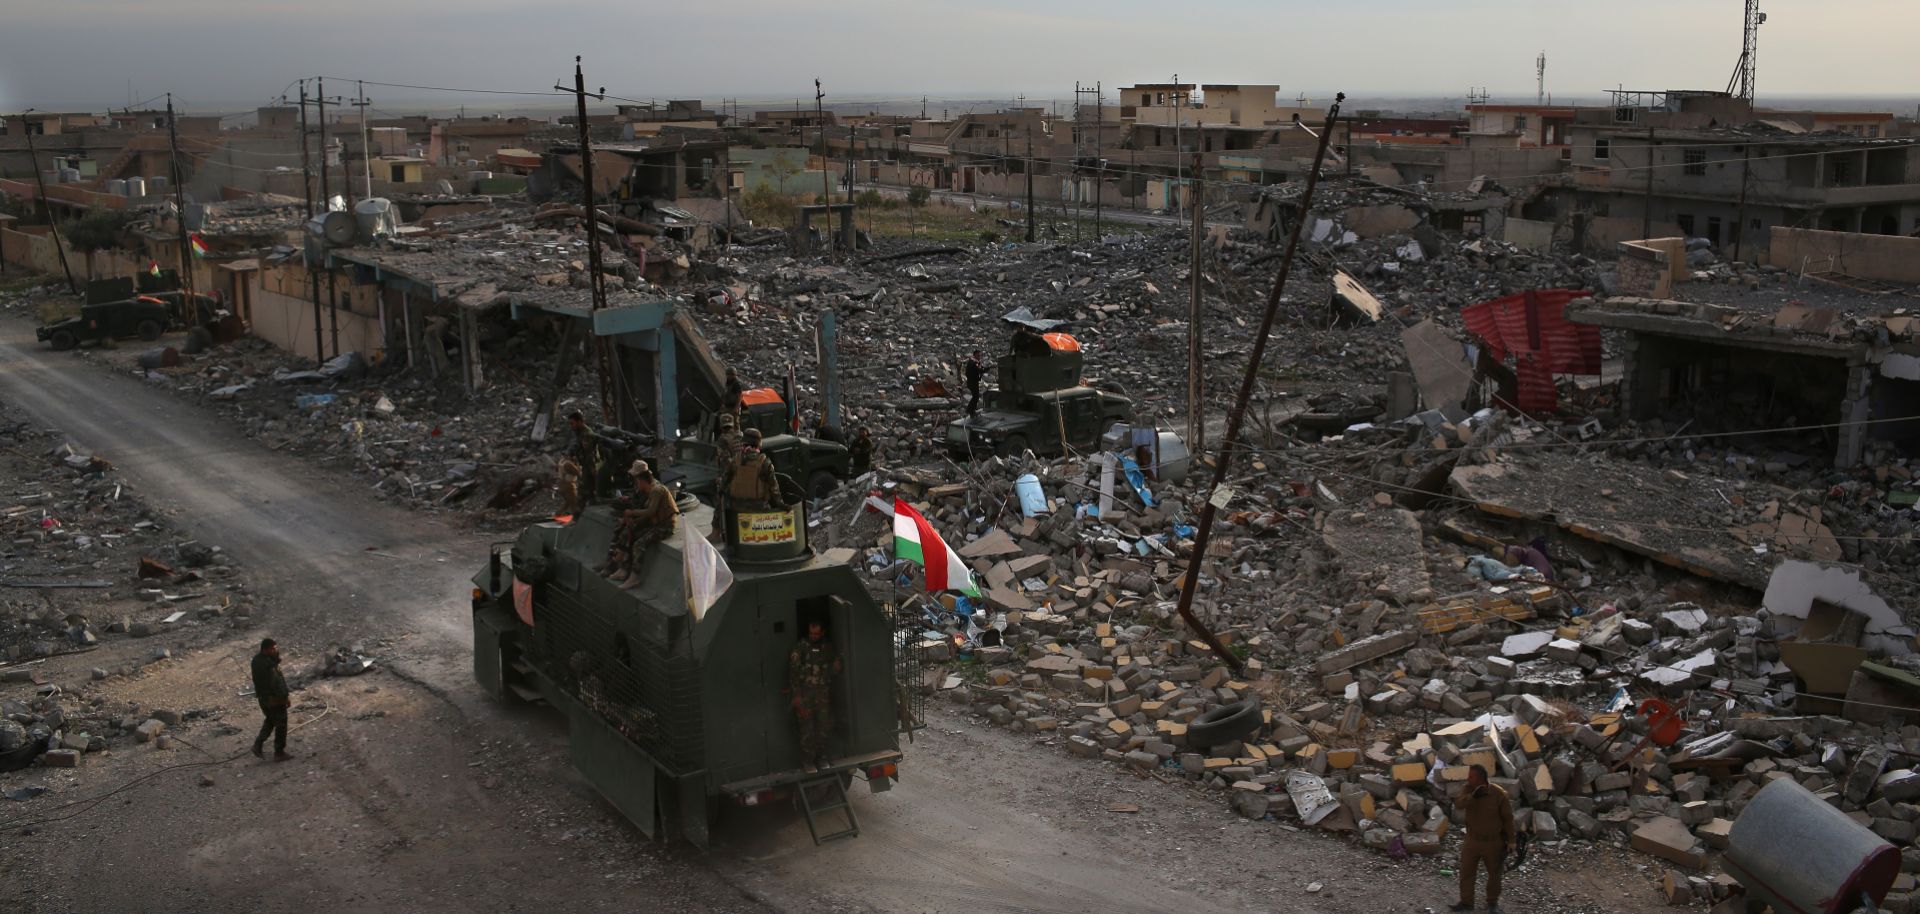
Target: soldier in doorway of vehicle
(860, 451)
(1490, 834)
(590, 453)
(750, 484)
(1028, 343)
(975, 372)
(649, 520)
(812, 666)
(270, 689)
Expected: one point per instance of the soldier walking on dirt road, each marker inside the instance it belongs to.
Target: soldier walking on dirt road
(270, 687)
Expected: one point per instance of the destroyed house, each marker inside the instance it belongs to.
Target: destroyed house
(1853, 378)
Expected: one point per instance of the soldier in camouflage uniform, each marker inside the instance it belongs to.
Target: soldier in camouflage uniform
(812, 666)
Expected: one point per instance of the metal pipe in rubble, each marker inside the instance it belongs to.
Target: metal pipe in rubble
(1237, 417)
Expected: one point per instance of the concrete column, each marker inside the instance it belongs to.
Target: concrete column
(1629, 369)
(1820, 170)
(1856, 408)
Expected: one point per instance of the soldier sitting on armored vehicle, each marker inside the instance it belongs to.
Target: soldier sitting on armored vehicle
(646, 518)
(749, 483)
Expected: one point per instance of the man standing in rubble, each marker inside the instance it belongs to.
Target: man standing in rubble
(270, 689)
(812, 666)
(588, 454)
(975, 372)
(751, 486)
(1490, 834)
(860, 451)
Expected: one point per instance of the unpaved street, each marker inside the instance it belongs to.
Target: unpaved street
(412, 792)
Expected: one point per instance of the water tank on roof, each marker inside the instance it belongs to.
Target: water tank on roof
(376, 217)
(136, 187)
(157, 184)
(336, 229)
(117, 187)
(69, 175)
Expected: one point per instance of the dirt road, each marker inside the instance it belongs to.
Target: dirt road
(412, 792)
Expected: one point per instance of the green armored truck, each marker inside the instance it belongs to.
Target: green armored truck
(673, 708)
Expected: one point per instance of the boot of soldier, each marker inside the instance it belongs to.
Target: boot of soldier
(618, 575)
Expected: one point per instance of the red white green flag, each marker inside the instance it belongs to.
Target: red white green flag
(199, 247)
(915, 540)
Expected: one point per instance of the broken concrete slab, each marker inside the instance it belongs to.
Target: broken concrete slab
(1668, 838)
(1439, 365)
(1525, 644)
(1365, 650)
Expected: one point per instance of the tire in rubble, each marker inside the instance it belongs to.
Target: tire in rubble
(150, 330)
(1013, 446)
(1224, 724)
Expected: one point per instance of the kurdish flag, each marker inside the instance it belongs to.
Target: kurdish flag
(153, 267)
(199, 247)
(915, 540)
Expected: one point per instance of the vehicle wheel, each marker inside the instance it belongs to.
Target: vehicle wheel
(150, 330)
(821, 484)
(63, 340)
(1014, 446)
(1224, 724)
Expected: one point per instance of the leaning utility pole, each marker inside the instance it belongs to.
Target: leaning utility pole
(1196, 387)
(596, 279)
(820, 120)
(1235, 418)
(46, 208)
(178, 175)
(1099, 164)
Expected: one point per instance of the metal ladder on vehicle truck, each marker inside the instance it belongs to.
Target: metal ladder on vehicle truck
(834, 797)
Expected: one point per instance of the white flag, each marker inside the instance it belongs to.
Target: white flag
(707, 574)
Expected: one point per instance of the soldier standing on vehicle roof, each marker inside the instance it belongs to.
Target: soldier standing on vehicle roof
(731, 397)
(975, 371)
(589, 453)
(750, 485)
(812, 666)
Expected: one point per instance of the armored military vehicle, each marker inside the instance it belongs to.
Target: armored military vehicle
(1040, 405)
(674, 708)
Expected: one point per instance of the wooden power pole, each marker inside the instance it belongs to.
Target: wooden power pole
(1196, 388)
(179, 175)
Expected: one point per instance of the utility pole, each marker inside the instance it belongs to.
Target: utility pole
(1740, 217)
(306, 167)
(366, 160)
(1196, 389)
(1646, 202)
(1179, 118)
(820, 118)
(326, 197)
(1099, 163)
(46, 207)
(178, 175)
(596, 280)
(306, 193)
(1028, 167)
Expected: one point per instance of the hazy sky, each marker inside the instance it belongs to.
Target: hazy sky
(225, 55)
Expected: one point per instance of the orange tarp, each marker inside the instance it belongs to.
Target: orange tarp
(760, 395)
(1061, 342)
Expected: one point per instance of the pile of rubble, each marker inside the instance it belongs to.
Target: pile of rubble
(89, 569)
(1381, 651)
